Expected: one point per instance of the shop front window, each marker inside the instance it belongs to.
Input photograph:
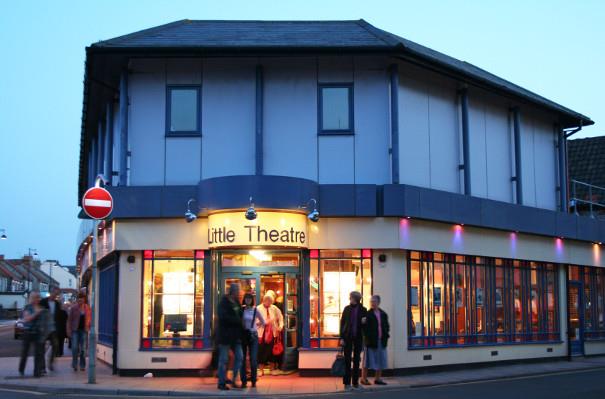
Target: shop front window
(593, 299)
(173, 291)
(334, 274)
(468, 300)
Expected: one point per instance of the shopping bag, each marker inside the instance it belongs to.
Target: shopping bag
(338, 367)
(278, 346)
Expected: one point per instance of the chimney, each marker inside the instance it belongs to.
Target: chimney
(28, 258)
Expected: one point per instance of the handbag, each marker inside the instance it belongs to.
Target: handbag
(278, 346)
(338, 367)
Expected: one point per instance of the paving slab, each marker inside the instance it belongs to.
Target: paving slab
(64, 380)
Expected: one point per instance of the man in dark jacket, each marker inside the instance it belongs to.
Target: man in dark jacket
(354, 317)
(230, 330)
(53, 306)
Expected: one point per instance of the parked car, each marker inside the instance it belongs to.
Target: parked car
(19, 328)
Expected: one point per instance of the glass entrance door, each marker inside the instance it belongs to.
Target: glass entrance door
(285, 288)
(574, 309)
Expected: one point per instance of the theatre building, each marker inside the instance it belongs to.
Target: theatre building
(316, 158)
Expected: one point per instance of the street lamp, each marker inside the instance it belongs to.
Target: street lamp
(31, 252)
(3, 236)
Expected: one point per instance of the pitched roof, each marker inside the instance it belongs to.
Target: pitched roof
(253, 34)
(299, 35)
(586, 159)
(8, 272)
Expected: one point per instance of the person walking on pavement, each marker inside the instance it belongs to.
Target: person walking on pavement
(34, 318)
(252, 319)
(78, 325)
(61, 324)
(352, 321)
(376, 337)
(268, 333)
(230, 330)
(53, 307)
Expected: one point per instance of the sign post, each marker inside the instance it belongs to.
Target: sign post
(98, 204)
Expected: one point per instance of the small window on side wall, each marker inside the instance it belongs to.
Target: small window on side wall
(182, 110)
(335, 109)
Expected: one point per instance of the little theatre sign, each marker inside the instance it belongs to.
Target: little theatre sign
(273, 229)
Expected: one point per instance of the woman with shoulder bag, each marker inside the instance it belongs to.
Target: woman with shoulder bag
(270, 332)
(251, 320)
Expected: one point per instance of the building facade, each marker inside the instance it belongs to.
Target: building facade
(370, 163)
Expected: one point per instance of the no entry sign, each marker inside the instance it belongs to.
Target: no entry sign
(97, 203)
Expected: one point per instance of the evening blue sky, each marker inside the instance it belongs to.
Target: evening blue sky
(554, 48)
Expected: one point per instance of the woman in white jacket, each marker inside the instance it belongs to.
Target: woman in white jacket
(274, 324)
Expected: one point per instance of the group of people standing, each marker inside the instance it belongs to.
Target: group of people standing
(363, 330)
(249, 331)
(49, 320)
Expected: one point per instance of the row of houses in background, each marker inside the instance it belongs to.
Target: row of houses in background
(20, 276)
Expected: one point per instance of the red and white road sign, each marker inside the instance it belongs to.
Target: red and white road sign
(97, 203)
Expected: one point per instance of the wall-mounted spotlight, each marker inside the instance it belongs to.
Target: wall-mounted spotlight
(3, 236)
(190, 216)
(251, 212)
(314, 214)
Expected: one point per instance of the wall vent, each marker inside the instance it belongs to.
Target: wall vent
(427, 357)
(494, 353)
(548, 349)
(158, 360)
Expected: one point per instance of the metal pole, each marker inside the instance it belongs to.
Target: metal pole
(92, 334)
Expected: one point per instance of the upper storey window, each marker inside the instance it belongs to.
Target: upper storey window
(183, 110)
(336, 108)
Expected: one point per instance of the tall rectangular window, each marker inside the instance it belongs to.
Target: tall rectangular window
(470, 300)
(173, 291)
(334, 274)
(183, 110)
(335, 108)
(593, 300)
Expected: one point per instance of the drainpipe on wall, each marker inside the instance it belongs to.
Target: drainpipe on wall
(108, 172)
(100, 148)
(259, 120)
(562, 149)
(517, 143)
(394, 77)
(563, 164)
(466, 156)
(124, 127)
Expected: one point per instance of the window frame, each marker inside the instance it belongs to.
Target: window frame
(198, 341)
(588, 281)
(183, 133)
(315, 343)
(335, 132)
(490, 335)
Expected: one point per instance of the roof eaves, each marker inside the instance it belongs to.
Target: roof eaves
(380, 34)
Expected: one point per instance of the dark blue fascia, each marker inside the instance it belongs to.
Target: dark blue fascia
(351, 200)
(423, 203)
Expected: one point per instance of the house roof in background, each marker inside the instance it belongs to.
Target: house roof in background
(587, 160)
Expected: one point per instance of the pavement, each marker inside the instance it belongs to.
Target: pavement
(64, 381)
